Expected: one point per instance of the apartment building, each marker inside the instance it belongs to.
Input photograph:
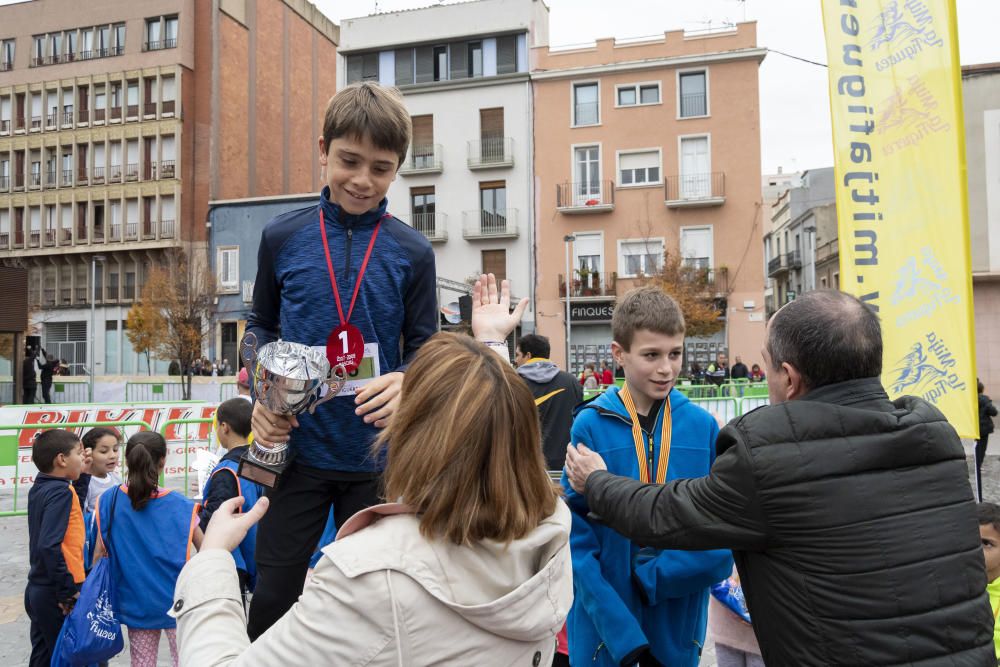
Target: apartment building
(981, 101)
(644, 147)
(467, 183)
(120, 121)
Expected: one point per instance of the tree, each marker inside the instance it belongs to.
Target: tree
(175, 312)
(146, 325)
(700, 292)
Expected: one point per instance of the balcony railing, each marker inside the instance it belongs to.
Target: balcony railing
(149, 109)
(490, 152)
(133, 110)
(483, 224)
(81, 176)
(97, 175)
(589, 283)
(148, 171)
(4, 240)
(49, 296)
(19, 181)
(50, 178)
(585, 197)
(167, 169)
(50, 237)
(52, 119)
(34, 238)
(586, 113)
(159, 44)
(422, 160)
(793, 259)
(166, 229)
(99, 232)
(34, 181)
(131, 231)
(4, 127)
(18, 238)
(83, 115)
(99, 115)
(19, 125)
(694, 104)
(115, 230)
(776, 266)
(66, 236)
(67, 117)
(4, 183)
(128, 292)
(167, 106)
(695, 190)
(81, 295)
(115, 174)
(432, 225)
(67, 177)
(132, 172)
(36, 122)
(6, 65)
(116, 113)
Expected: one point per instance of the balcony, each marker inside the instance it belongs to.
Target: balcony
(34, 238)
(67, 177)
(52, 119)
(793, 259)
(4, 183)
(166, 229)
(99, 115)
(49, 239)
(66, 236)
(777, 266)
(167, 169)
(4, 127)
(115, 174)
(34, 181)
(116, 113)
(6, 65)
(84, 116)
(693, 105)
(583, 198)
(589, 283)
(81, 176)
(159, 44)
(167, 107)
(695, 190)
(432, 225)
(115, 230)
(491, 152)
(497, 224)
(97, 176)
(133, 110)
(132, 172)
(99, 232)
(149, 109)
(18, 182)
(50, 178)
(49, 296)
(67, 117)
(36, 123)
(4, 240)
(422, 160)
(131, 231)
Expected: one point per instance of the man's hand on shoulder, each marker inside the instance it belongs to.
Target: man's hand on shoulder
(581, 461)
(378, 400)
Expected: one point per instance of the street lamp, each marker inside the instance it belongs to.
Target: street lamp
(569, 238)
(93, 333)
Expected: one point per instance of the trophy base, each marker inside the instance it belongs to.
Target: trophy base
(265, 474)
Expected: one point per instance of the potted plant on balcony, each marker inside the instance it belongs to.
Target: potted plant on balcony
(588, 281)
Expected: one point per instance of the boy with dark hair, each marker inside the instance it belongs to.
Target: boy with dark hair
(556, 393)
(989, 533)
(232, 430)
(56, 537)
(349, 278)
(634, 604)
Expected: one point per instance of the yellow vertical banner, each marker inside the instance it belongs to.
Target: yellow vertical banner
(902, 208)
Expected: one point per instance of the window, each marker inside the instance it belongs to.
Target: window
(55, 47)
(696, 177)
(491, 139)
(71, 45)
(586, 109)
(133, 98)
(693, 91)
(440, 63)
(170, 32)
(588, 249)
(495, 262)
(103, 40)
(422, 210)
(87, 44)
(153, 34)
(642, 168)
(119, 39)
(493, 207)
(475, 58)
(39, 51)
(423, 142)
(362, 67)
(638, 94)
(696, 247)
(507, 54)
(587, 171)
(639, 257)
(404, 66)
(169, 92)
(6, 55)
(229, 269)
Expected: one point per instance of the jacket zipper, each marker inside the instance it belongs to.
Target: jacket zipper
(347, 262)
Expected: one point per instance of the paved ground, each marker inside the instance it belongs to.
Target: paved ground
(15, 647)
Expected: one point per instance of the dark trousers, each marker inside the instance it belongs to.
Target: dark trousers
(980, 456)
(46, 617)
(47, 391)
(289, 534)
(28, 394)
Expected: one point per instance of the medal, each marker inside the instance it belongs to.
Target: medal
(345, 344)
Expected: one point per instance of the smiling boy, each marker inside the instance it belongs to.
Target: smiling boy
(341, 275)
(637, 605)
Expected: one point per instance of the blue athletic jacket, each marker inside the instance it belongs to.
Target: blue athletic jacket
(292, 299)
(627, 597)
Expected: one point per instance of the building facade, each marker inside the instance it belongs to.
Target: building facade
(981, 100)
(644, 147)
(119, 122)
(467, 182)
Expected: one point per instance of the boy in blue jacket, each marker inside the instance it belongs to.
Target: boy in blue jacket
(634, 604)
(347, 277)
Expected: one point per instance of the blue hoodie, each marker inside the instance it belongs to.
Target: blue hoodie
(293, 300)
(627, 597)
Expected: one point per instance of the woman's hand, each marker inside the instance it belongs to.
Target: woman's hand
(228, 528)
(491, 316)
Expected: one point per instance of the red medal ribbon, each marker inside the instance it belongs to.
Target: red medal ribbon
(361, 271)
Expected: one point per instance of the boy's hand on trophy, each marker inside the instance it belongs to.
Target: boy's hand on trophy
(271, 428)
(378, 399)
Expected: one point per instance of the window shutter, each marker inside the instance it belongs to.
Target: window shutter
(491, 122)
(404, 66)
(369, 67)
(506, 54)
(495, 262)
(354, 68)
(425, 64)
(459, 57)
(423, 131)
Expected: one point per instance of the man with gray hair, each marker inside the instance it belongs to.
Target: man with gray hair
(850, 516)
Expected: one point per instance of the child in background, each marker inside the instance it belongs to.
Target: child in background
(989, 533)
(104, 445)
(232, 430)
(55, 539)
(153, 531)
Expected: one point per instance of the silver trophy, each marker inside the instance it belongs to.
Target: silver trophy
(287, 378)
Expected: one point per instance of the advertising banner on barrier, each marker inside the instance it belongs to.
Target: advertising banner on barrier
(902, 207)
(183, 440)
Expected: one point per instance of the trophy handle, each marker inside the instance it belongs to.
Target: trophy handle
(336, 381)
(248, 353)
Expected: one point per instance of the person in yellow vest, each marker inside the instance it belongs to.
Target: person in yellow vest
(989, 532)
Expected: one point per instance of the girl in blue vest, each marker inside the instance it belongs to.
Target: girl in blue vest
(153, 530)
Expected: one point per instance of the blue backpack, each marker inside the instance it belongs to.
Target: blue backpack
(92, 632)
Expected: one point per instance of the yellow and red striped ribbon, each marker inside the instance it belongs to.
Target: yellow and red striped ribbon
(640, 440)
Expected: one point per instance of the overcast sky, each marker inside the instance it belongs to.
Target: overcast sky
(795, 111)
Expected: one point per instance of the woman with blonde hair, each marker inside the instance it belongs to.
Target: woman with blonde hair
(471, 565)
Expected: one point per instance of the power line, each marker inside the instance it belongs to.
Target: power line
(788, 55)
